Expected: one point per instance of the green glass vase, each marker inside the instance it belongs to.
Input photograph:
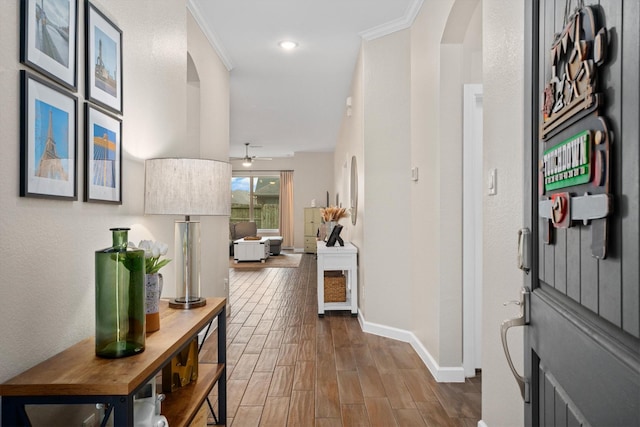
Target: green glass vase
(120, 298)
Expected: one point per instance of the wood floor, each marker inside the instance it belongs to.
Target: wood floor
(289, 367)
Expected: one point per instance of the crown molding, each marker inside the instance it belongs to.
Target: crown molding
(210, 35)
(396, 25)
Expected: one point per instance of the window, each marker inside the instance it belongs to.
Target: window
(256, 198)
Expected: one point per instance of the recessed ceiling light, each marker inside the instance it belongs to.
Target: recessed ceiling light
(288, 44)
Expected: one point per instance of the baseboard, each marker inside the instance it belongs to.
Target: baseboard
(298, 250)
(441, 374)
(482, 424)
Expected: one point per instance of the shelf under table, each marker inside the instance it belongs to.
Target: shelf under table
(188, 399)
(77, 375)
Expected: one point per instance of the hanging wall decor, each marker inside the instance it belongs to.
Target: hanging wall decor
(104, 60)
(576, 54)
(48, 142)
(103, 157)
(48, 39)
(574, 172)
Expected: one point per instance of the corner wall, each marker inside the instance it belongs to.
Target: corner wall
(386, 291)
(351, 143)
(212, 139)
(503, 214)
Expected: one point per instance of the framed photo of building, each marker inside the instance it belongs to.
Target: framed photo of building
(48, 140)
(104, 60)
(49, 39)
(103, 152)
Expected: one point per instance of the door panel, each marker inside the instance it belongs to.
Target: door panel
(555, 406)
(582, 347)
(593, 368)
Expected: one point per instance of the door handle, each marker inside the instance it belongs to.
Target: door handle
(524, 249)
(522, 320)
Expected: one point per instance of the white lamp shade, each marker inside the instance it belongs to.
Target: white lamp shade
(187, 187)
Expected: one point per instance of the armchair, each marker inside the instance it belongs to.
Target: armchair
(240, 230)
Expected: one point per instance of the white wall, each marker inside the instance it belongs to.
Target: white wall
(386, 121)
(446, 42)
(211, 116)
(426, 34)
(503, 79)
(47, 259)
(445, 38)
(351, 143)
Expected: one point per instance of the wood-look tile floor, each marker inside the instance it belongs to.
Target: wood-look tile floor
(288, 367)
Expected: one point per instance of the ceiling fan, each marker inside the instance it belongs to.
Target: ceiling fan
(247, 160)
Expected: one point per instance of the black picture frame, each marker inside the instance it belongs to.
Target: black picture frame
(103, 156)
(49, 39)
(103, 45)
(48, 140)
(335, 236)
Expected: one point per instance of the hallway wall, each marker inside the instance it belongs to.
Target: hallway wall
(450, 43)
(386, 131)
(503, 214)
(209, 112)
(46, 263)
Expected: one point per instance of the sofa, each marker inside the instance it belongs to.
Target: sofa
(240, 230)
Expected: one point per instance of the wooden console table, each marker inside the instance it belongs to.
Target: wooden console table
(77, 376)
(343, 258)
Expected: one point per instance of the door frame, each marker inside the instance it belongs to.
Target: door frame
(530, 137)
(472, 231)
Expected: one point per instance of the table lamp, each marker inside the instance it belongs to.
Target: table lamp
(197, 187)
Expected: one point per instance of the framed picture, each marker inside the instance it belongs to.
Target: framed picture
(103, 163)
(49, 39)
(104, 60)
(335, 236)
(48, 140)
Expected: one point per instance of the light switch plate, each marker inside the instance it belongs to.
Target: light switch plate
(414, 173)
(492, 182)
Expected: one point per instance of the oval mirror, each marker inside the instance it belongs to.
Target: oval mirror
(354, 190)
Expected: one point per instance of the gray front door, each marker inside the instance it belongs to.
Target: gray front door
(582, 346)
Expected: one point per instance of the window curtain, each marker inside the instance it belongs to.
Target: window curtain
(286, 208)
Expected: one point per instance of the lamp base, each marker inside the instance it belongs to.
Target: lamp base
(182, 303)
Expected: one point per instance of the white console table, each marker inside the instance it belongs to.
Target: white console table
(343, 258)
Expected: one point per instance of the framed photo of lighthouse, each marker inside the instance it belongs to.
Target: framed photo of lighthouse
(104, 60)
(48, 140)
(103, 157)
(49, 39)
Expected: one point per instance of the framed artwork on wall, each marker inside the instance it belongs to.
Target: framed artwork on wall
(48, 140)
(103, 157)
(49, 39)
(104, 60)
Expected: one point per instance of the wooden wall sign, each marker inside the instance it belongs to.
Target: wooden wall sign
(576, 54)
(574, 171)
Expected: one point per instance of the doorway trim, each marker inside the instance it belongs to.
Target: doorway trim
(472, 230)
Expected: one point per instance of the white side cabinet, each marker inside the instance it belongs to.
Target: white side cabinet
(342, 258)
(312, 221)
(251, 250)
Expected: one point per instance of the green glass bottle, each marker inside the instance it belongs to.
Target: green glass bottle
(120, 298)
